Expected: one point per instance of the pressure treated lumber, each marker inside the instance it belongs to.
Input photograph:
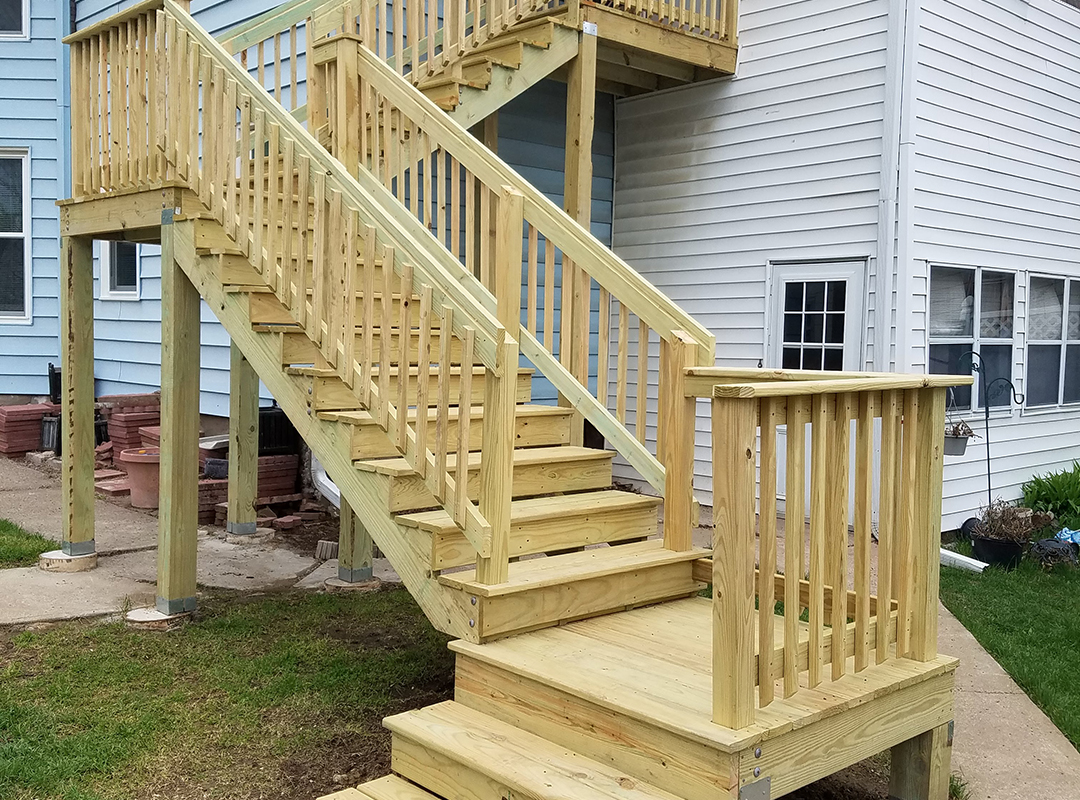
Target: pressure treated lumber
(355, 548)
(243, 443)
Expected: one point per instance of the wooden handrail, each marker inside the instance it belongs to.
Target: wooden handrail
(703, 381)
(797, 388)
(260, 28)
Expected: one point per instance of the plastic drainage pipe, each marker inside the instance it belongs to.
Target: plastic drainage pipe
(323, 485)
(951, 558)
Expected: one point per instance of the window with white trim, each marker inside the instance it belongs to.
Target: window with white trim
(1053, 335)
(958, 297)
(119, 271)
(14, 234)
(14, 19)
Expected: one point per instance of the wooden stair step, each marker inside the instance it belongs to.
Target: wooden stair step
(535, 426)
(537, 471)
(330, 393)
(297, 347)
(541, 592)
(507, 55)
(389, 787)
(455, 751)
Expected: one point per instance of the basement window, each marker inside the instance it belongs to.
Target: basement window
(119, 271)
(14, 19)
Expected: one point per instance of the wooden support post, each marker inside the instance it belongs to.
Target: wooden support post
(577, 201)
(926, 532)
(677, 424)
(920, 766)
(243, 443)
(347, 122)
(355, 548)
(77, 377)
(179, 480)
(734, 435)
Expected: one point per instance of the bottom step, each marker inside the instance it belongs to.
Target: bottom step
(390, 787)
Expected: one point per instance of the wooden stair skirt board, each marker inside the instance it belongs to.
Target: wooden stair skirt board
(536, 426)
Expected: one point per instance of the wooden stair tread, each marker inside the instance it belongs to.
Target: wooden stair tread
(538, 508)
(597, 562)
(476, 412)
(396, 467)
(389, 787)
(528, 765)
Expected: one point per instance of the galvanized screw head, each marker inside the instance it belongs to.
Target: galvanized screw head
(757, 752)
(473, 599)
(757, 772)
(472, 623)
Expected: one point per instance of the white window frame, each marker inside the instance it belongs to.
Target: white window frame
(24, 35)
(106, 291)
(27, 316)
(1063, 342)
(976, 340)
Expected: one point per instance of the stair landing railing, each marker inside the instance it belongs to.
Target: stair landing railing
(155, 99)
(874, 437)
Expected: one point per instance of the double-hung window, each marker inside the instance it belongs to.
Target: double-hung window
(971, 311)
(14, 235)
(14, 19)
(119, 271)
(1053, 335)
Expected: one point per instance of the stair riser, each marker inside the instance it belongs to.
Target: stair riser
(368, 441)
(408, 493)
(330, 394)
(266, 309)
(297, 348)
(549, 536)
(501, 615)
(444, 776)
(648, 752)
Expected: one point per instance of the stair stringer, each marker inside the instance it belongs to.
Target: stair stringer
(537, 63)
(328, 440)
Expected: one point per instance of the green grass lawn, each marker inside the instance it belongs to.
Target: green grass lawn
(266, 697)
(1029, 621)
(19, 548)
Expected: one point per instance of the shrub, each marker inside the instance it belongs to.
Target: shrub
(1058, 493)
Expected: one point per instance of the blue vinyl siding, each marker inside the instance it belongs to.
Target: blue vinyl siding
(31, 82)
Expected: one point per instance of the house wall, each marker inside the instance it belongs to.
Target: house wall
(781, 162)
(531, 139)
(31, 76)
(997, 185)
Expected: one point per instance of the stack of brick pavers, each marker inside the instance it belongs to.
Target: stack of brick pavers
(126, 414)
(20, 428)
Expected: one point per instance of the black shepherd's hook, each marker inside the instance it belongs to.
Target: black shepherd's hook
(985, 396)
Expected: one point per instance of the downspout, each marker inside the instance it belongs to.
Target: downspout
(323, 485)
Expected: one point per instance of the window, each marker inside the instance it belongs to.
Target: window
(1053, 338)
(14, 19)
(959, 297)
(814, 315)
(119, 271)
(14, 238)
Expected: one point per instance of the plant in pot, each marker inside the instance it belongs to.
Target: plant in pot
(1003, 531)
(956, 437)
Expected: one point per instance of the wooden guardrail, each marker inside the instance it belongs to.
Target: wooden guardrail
(156, 98)
(877, 438)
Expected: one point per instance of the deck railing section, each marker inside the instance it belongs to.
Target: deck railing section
(543, 270)
(877, 439)
(156, 98)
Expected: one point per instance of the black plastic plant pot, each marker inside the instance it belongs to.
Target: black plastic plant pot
(998, 552)
(955, 445)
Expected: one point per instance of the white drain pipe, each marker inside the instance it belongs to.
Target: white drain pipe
(323, 485)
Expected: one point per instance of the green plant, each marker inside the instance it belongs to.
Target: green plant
(1057, 493)
(958, 788)
(19, 548)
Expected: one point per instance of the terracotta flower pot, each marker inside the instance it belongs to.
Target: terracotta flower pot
(142, 469)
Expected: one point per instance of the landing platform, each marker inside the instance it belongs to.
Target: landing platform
(640, 682)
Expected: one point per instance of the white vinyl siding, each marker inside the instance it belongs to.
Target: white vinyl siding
(780, 163)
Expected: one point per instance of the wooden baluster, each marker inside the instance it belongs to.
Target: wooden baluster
(318, 264)
(902, 577)
(461, 478)
(259, 211)
(423, 379)
(864, 503)
(470, 224)
(428, 183)
(123, 83)
(399, 36)
(440, 196)
(97, 140)
(292, 68)
(186, 109)
(226, 144)
(304, 212)
(273, 211)
(80, 186)
(455, 206)
(641, 410)
(194, 56)
(369, 311)
(819, 434)
(348, 324)
(414, 37)
(769, 412)
(549, 295)
(243, 200)
(399, 156)
(604, 343)
(798, 410)
(260, 54)
(404, 339)
(530, 289)
(288, 191)
(734, 437)
(677, 422)
(837, 540)
(486, 244)
(926, 532)
(209, 126)
(136, 102)
(386, 322)
(387, 133)
(623, 357)
(334, 281)
(153, 97)
(891, 408)
(442, 422)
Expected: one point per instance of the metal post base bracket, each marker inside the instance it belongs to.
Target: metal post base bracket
(358, 575)
(240, 528)
(758, 790)
(170, 608)
(79, 548)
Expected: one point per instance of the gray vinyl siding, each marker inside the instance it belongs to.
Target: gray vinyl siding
(781, 162)
(997, 185)
(531, 139)
(31, 78)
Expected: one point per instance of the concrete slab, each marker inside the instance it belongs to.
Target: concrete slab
(31, 595)
(15, 475)
(37, 509)
(1004, 745)
(315, 580)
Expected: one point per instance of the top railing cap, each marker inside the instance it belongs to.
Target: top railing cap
(112, 21)
(877, 383)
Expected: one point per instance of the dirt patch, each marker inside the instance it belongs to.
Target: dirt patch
(867, 780)
(304, 539)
